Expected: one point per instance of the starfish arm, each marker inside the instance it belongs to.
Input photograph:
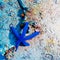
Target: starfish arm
(25, 43)
(19, 41)
(14, 31)
(25, 29)
(31, 36)
(17, 44)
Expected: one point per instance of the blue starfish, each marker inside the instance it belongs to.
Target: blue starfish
(22, 38)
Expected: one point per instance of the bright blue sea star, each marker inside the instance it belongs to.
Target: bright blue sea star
(22, 38)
